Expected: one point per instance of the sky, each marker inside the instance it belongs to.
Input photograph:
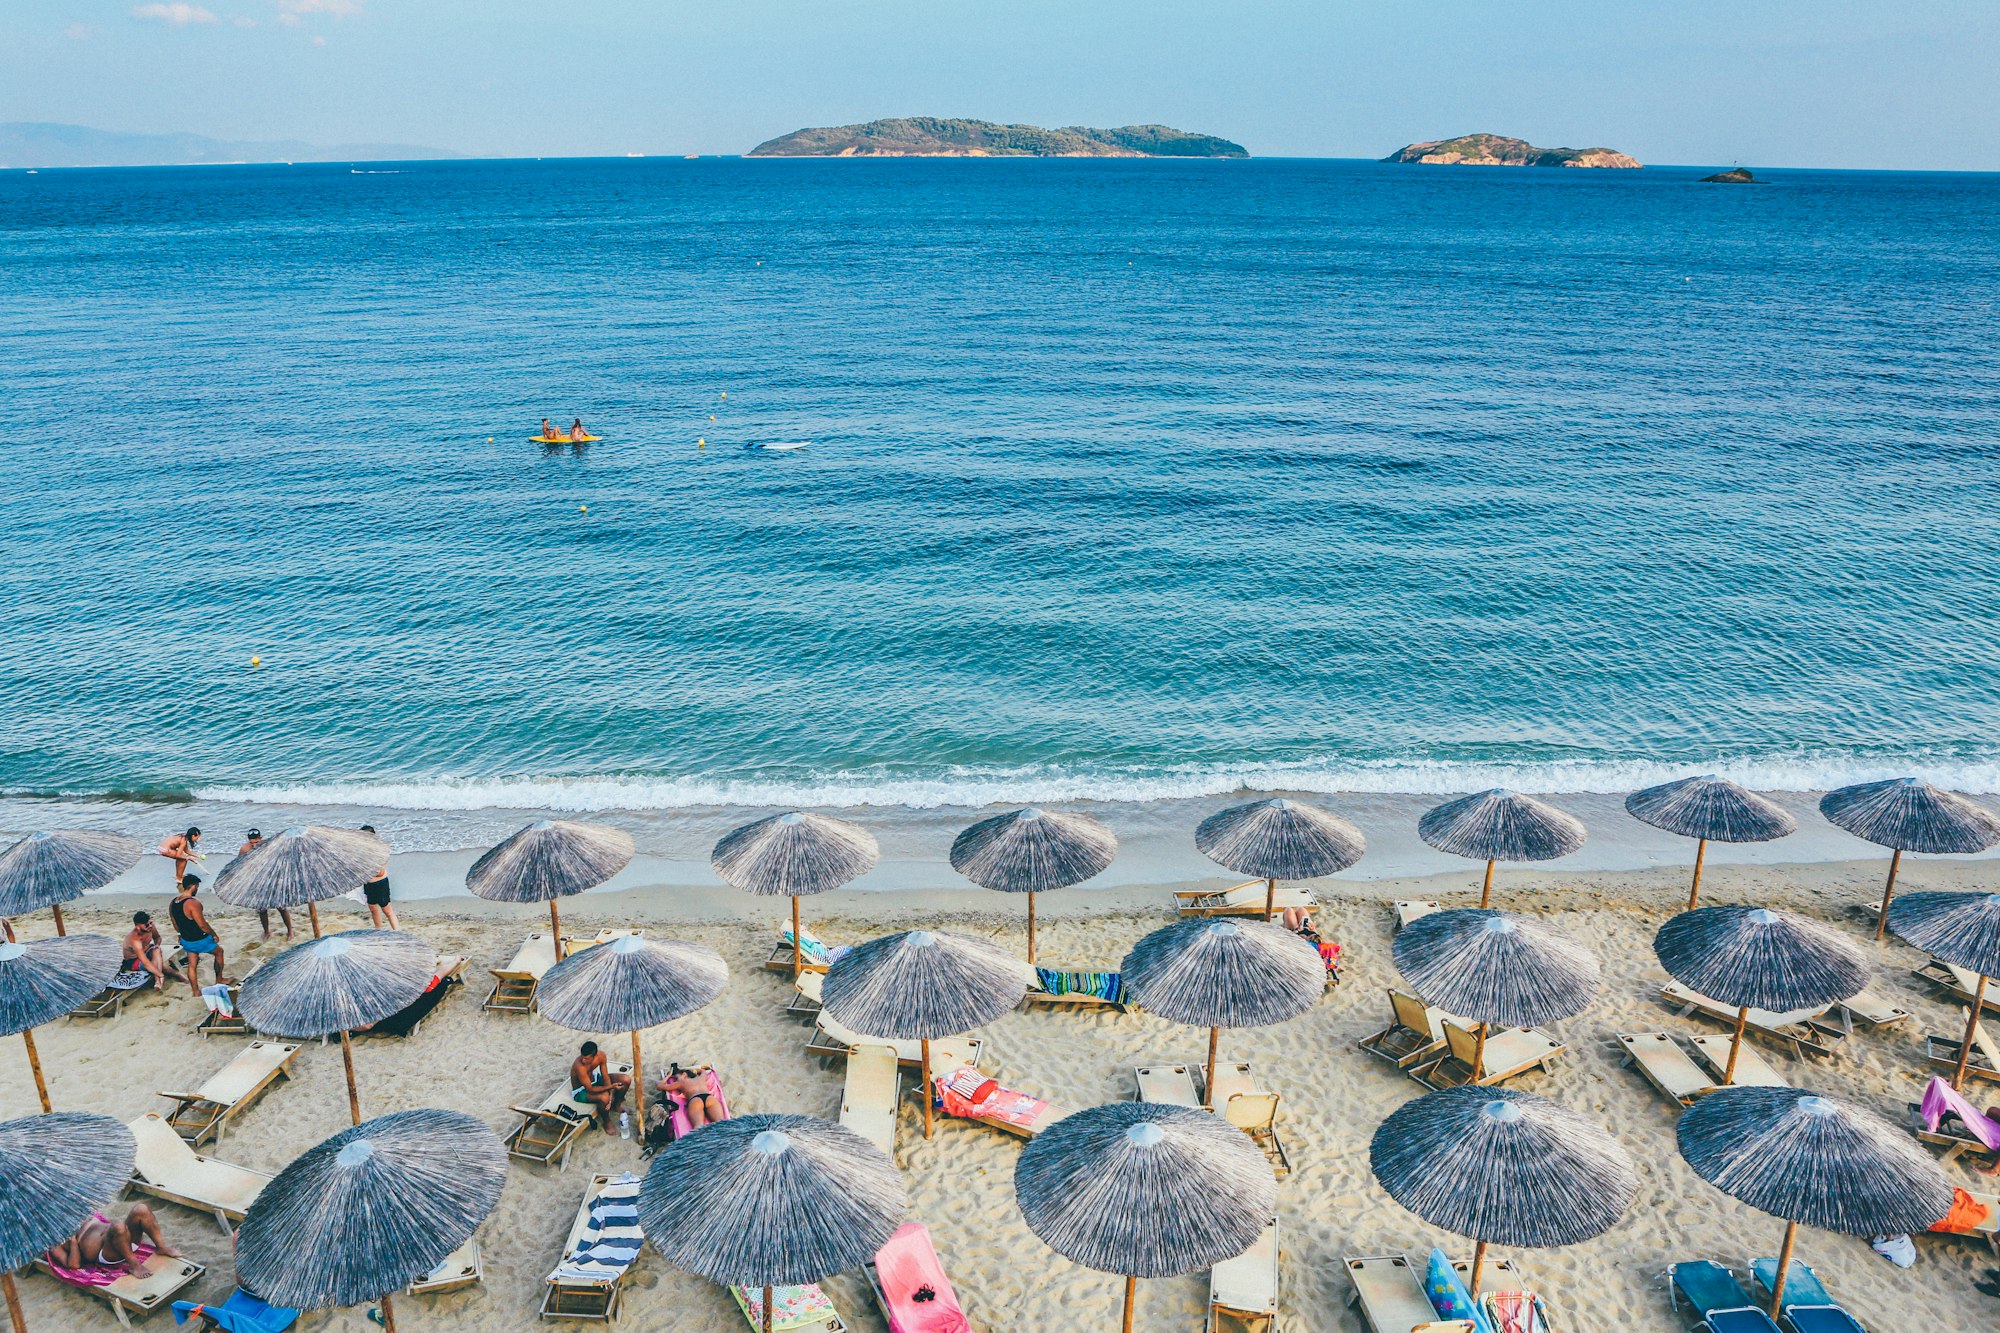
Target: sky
(1810, 83)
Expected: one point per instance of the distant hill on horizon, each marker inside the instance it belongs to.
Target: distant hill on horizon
(42, 144)
(931, 136)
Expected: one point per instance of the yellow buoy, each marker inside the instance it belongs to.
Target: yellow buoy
(711, 416)
(256, 661)
(583, 509)
(725, 394)
(700, 443)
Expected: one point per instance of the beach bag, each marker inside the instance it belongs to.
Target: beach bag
(659, 1127)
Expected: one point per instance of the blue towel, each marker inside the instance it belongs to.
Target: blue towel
(241, 1313)
(611, 1237)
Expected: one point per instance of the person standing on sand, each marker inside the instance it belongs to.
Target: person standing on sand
(376, 892)
(197, 937)
(182, 848)
(254, 838)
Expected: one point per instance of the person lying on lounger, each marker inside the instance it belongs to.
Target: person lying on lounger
(101, 1243)
(690, 1088)
(591, 1080)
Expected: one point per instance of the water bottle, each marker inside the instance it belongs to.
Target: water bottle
(624, 1124)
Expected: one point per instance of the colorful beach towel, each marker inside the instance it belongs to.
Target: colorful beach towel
(1449, 1296)
(610, 1239)
(811, 947)
(970, 1095)
(98, 1275)
(1514, 1311)
(914, 1287)
(1941, 1100)
(791, 1307)
(217, 999)
(1104, 985)
(680, 1118)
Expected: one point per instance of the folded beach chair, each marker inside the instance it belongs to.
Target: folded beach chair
(1806, 1306)
(1752, 1069)
(110, 1002)
(1390, 1291)
(1509, 1053)
(805, 1309)
(1415, 1033)
(204, 1115)
(1804, 1030)
(1956, 983)
(549, 1130)
(1167, 1085)
(832, 1040)
(241, 1313)
(1077, 988)
(1973, 1216)
(1243, 1292)
(907, 1264)
(806, 988)
(874, 1090)
(167, 1168)
(1241, 899)
(683, 1126)
(1716, 1295)
(1941, 1053)
(603, 1241)
(447, 976)
(970, 1095)
(1410, 909)
(463, 1267)
(1256, 1114)
(1666, 1066)
(816, 953)
(129, 1294)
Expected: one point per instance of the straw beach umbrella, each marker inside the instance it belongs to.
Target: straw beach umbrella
(1754, 958)
(921, 985)
(550, 859)
(55, 1170)
(1032, 851)
(794, 855)
(1503, 1167)
(630, 984)
(370, 1210)
(1908, 815)
(45, 979)
(1709, 809)
(1500, 825)
(1962, 929)
(1493, 967)
(771, 1201)
(335, 984)
(1145, 1190)
(1279, 839)
(50, 868)
(1814, 1161)
(1224, 974)
(300, 866)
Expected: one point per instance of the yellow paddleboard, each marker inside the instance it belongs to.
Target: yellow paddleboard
(563, 439)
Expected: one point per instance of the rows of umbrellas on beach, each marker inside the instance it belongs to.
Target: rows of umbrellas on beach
(1141, 1190)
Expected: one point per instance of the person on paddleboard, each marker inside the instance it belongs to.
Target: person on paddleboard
(576, 430)
(549, 431)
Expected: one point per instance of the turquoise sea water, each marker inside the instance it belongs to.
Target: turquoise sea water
(1126, 479)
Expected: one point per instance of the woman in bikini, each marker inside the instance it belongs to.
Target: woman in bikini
(691, 1087)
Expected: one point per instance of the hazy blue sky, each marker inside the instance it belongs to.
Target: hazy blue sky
(1857, 83)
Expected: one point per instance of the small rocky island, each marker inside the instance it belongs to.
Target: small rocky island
(1733, 176)
(1497, 150)
(929, 136)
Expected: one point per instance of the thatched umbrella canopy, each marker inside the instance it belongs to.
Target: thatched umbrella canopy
(630, 984)
(795, 855)
(1709, 809)
(55, 866)
(1812, 1160)
(1279, 839)
(1755, 958)
(1962, 929)
(1500, 825)
(1145, 1190)
(771, 1201)
(921, 985)
(335, 984)
(1032, 851)
(1504, 1167)
(55, 1169)
(550, 859)
(300, 866)
(1494, 967)
(1910, 815)
(45, 979)
(1224, 974)
(371, 1209)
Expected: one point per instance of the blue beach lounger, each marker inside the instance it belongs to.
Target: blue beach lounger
(1718, 1298)
(241, 1313)
(1808, 1308)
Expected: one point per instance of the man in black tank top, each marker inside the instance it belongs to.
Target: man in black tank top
(191, 924)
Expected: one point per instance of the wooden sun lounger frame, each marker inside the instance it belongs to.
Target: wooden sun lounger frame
(1955, 1145)
(151, 1291)
(1509, 1054)
(1681, 1090)
(107, 1003)
(1163, 1077)
(1224, 1317)
(1989, 1233)
(514, 985)
(463, 1267)
(1752, 1069)
(450, 972)
(1806, 1034)
(946, 1052)
(1941, 1054)
(548, 1132)
(224, 1211)
(1245, 899)
(780, 959)
(596, 1301)
(1409, 910)
(198, 1118)
(868, 1065)
(833, 1323)
(213, 1024)
(1401, 1043)
(1049, 999)
(1411, 1308)
(1956, 984)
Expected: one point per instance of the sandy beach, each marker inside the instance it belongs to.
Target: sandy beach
(961, 1182)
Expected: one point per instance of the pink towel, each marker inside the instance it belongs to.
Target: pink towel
(97, 1275)
(906, 1265)
(681, 1123)
(1941, 1100)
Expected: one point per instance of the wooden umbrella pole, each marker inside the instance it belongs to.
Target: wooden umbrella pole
(636, 1102)
(1694, 889)
(1784, 1262)
(1888, 892)
(1735, 1045)
(1478, 1263)
(61, 929)
(555, 928)
(924, 1047)
(35, 1063)
(767, 1310)
(388, 1312)
(1486, 888)
(1031, 928)
(1208, 1079)
(353, 1091)
(798, 946)
(13, 1303)
(1131, 1297)
(1971, 1032)
(1270, 897)
(312, 914)
(1479, 1052)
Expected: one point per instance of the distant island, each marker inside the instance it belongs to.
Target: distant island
(40, 144)
(1733, 176)
(1497, 150)
(929, 136)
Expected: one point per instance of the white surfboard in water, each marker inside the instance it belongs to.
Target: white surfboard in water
(779, 447)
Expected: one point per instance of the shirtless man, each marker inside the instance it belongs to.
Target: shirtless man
(253, 839)
(144, 952)
(102, 1243)
(690, 1088)
(591, 1080)
(182, 848)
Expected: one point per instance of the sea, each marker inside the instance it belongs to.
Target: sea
(1124, 482)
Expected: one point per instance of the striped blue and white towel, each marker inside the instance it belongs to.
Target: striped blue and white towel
(611, 1238)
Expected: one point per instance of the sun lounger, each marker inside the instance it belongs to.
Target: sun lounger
(446, 976)
(1957, 983)
(603, 1241)
(1408, 910)
(204, 1115)
(1963, 1224)
(1951, 1134)
(969, 1095)
(1941, 1053)
(1256, 1114)
(240, 1313)
(1078, 988)
(906, 1264)
(1752, 1069)
(1243, 1291)
(549, 1130)
(872, 1094)
(1515, 1310)
(514, 985)
(805, 1309)
(1666, 1066)
(463, 1267)
(1414, 1036)
(1166, 1085)
(1804, 1030)
(1715, 1294)
(1390, 1291)
(1807, 1306)
(167, 1168)
(832, 1041)
(1245, 899)
(110, 1002)
(816, 953)
(215, 1023)
(129, 1294)
(1872, 1009)
(1509, 1053)
(805, 993)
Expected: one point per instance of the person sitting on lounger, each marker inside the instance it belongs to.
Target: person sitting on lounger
(690, 1088)
(103, 1243)
(591, 1081)
(145, 953)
